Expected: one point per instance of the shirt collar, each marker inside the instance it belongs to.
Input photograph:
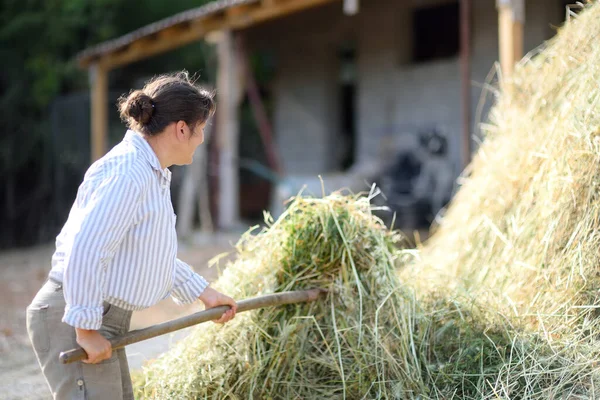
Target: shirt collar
(146, 150)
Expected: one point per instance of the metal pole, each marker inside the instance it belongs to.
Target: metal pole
(465, 67)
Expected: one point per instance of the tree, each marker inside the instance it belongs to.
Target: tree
(38, 42)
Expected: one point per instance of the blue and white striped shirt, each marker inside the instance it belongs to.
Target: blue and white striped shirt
(119, 243)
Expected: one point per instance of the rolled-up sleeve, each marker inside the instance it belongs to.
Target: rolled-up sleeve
(105, 211)
(187, 285)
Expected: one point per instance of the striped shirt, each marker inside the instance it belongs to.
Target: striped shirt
(119, 242)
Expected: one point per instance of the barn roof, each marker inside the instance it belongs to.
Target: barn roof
(189, 26)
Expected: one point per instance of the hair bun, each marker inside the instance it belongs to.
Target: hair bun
(140, 107)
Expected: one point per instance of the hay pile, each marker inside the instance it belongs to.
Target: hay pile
(369, 339)
(346, 346)
(501, 303)
(521, 237)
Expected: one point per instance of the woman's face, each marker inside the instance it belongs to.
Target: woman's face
(188, 145)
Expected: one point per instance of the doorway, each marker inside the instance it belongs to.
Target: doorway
(346, 143)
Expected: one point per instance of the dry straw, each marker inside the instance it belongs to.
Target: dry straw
(343, 347)
(522, 235)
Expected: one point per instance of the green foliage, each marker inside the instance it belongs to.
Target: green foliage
(39, 40)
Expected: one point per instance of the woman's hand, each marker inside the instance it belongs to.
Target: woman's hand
(95, 345)
(211, 298)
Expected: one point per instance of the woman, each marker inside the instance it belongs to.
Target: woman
(117, 251)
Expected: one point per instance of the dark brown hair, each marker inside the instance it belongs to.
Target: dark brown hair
(166, 99)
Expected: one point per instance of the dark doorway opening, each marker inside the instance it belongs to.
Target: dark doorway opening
(346, 146)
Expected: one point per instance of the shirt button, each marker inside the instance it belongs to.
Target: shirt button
(80, 382)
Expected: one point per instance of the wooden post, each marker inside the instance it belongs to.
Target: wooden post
(228, 99)
(204, 197)
(99, 110)
(258, 108)
(511, 17)
(518, 26)
(195, 186)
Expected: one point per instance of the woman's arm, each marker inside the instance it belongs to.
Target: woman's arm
(189, 286)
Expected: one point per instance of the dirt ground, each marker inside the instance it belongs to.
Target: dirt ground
(22, 272)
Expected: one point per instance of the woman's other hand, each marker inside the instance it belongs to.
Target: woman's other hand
(211, 298)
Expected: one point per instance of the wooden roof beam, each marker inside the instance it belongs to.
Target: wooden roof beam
(168, 39)
(270, 9)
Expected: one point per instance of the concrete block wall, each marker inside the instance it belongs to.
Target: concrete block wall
(397, 96)
(305, 86)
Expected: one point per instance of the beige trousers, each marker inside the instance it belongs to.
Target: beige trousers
(50, 336)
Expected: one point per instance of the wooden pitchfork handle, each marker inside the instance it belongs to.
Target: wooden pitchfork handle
(277, 299)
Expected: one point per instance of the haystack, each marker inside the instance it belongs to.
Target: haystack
(521, 236)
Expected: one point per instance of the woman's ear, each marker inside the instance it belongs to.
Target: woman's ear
(182, 131)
